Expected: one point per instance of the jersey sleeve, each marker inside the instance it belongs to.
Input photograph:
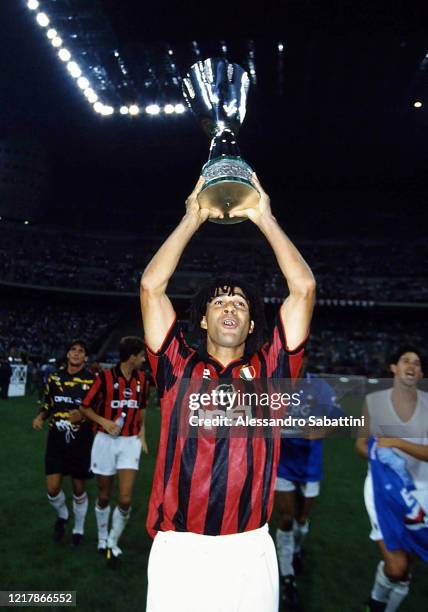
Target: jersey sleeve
(281, 362)
(92, 397)
(47, 404)
(168, 363)
(144, 392)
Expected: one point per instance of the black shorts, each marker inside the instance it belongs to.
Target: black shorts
(71, 458)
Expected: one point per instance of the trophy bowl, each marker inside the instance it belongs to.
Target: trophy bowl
(216, 91)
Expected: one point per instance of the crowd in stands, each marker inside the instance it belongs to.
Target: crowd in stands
(378, 271)
(43, 331)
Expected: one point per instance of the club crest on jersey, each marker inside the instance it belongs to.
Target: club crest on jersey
(247, 372)
(116, 385)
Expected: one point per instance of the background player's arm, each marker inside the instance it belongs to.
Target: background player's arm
(296, 311)
(362, 443)
(109, 426)
(142, 432)
(46, 407)
(418, 451)
(157, 310)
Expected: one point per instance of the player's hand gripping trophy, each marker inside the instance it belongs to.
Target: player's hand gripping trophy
(216, 92)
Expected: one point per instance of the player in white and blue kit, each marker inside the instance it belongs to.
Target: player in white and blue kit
(299, 474)
(395, 442)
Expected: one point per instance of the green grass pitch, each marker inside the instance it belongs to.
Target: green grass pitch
(339, 559)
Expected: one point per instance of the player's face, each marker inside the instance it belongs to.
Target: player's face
(408, 369)
(138, 360)
(227, 319)
(76, 356)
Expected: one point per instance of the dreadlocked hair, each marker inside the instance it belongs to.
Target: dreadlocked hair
(225, 285)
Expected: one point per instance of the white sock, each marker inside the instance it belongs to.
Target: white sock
(102, 515)
(285, 551)
(300, 532)
(120, 518)
(80, 508)
(398, 593)
(382, 585)
(58, 502)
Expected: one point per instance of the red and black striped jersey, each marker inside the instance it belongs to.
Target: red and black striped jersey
(111, 394)
(213, 485)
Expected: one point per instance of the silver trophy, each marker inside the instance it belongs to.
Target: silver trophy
(216, 92)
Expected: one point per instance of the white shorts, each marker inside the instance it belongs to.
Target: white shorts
(110, 454)
(189, 572)
(307, 489)
(376, 533)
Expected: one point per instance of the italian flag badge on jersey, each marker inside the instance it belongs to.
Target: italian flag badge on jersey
(247, 372)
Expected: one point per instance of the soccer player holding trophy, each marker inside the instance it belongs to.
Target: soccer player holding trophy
(212, 498)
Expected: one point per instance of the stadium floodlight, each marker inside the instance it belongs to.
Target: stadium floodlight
(33, 5)
(74, 69)
(124, 110)
(56, 42)
(98, 107)
(107, 110)
(417, 104)
(26, 222)
(280, 47)
(42, 19)
(153, 109)
(168, 109)
(134, 109)
(83, 82)
(179, 109)
(90, 95)
(51, 33)
(64, 54)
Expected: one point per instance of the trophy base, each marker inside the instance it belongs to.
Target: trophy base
(226, 196)
(228, 187)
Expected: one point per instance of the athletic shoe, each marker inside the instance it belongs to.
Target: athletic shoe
(113, 558)
(102, 547)
(297, 563)
(76, 538)
(59, 529)
(289, 597)
(375, 606)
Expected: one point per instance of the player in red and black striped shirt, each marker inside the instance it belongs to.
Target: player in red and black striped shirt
(115, 403)
(218, 486)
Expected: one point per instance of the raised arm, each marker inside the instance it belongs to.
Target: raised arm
(296, 311)
(156, 308)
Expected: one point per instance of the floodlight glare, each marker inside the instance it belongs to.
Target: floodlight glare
(33, 5)
(42, 19)
(168, 108)
(51, 33)
(57, 41)
(98, 107)
(124, 110)
(153, 109)
(64, 54)
(83, 82)
(417, 104)
(179, 109)
(133, 109)
(280, 47)
(74, 69)
(107, 110)
(91, 95)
